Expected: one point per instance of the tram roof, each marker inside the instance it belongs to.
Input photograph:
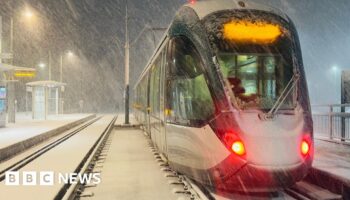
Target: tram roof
(206, 7)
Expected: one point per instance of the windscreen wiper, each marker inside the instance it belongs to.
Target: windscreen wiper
(287, 90)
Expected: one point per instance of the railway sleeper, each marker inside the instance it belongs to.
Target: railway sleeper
(315, 192)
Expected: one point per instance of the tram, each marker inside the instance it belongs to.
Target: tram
(224, 97)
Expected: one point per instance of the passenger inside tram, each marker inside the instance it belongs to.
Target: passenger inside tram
(255, 80)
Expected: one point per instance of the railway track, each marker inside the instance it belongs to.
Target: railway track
(183, 186)
(87, 165)
(196, 191)
(20, 163)
(301, 191)
(82, 144)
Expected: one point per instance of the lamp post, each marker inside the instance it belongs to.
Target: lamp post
(69, 54)
(27, 14)
(49, 65)
(11, 99)
(127, 58)
(0, 39)
(127, 65)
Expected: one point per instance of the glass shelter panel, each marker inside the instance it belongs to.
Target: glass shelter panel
(2, 98)
(53, 101)
(39, 103)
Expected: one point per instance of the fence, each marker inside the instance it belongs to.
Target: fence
(332, 121)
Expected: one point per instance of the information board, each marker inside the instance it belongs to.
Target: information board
(2, 92)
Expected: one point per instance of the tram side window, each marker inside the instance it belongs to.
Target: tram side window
(155, 87)
(143, 94)
(188, 96)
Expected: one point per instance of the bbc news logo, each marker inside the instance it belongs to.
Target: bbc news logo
(49, 178)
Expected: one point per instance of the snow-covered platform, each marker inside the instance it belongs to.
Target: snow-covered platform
(120, 122)
(15, 138)
(130, 170)
(331, 166)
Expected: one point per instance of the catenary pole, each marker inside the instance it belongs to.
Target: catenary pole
(127, 65)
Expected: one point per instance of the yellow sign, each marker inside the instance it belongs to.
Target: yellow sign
(258, 32)
(27, 74)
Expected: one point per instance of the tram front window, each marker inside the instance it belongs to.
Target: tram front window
(256, 80)
(255, 54)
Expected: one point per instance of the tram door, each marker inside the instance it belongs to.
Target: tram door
(162, 127)
(2, 106)
(157, 102)
(148, 107)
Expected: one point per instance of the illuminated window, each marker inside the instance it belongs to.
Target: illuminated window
(189, 98)
(256, 80)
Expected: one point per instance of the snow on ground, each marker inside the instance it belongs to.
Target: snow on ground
(333, 158)
(25, 127)
(131, 172)
(63, 159)
(121, 119)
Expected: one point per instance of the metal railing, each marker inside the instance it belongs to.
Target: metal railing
(332, 121)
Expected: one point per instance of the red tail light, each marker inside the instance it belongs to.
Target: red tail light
(228, 133)
(304, 147)
(234, 143)
(238, 148)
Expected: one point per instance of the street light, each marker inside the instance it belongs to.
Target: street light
(11, 105)
(334, 68)
(70, 54)
(42, 65)
(335, 71)
(29, 18)
(28, 13)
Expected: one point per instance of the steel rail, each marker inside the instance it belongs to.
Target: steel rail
(72, 191)
(28, 159)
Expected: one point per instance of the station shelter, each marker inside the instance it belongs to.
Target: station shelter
(46, 98)
(9, 77)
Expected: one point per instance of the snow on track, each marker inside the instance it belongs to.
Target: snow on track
(62, 159)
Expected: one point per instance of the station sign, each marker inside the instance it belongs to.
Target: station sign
(24, 74)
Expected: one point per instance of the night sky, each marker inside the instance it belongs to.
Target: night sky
(92, 29)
